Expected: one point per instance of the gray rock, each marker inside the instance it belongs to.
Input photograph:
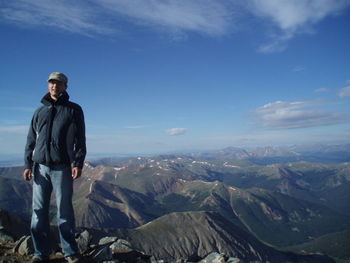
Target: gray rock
(26, 247)
(153, 259)
(213, 258)
(106, 240)
(17, 244)
(83, 241)
(120, 246)
(101, 254)
(234, 260)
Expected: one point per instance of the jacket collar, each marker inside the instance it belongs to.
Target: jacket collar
(62, 99)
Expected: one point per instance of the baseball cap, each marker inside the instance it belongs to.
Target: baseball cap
(58, 76)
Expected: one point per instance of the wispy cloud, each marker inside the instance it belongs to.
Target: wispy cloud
(72, 16)
(292, 17)
(211, 17)
(297, 114)
(208, 17)
(320, 90)
(176, 131)
(344, 92)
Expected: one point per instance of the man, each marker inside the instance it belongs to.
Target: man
(54, 157)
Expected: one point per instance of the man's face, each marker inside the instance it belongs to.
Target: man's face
(56, 88)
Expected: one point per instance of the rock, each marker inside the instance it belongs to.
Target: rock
(234, 260)
(101, 254)
(106, 240)
(5, 237)
(83, 241)
(120, 246)
(59, 254)
(26, 247)
(153, 259)
(17, 244)
(213, 258)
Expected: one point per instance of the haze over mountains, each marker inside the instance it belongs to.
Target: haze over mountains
(227, 200)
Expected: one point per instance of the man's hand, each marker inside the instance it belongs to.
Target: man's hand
(76, 172)
(27, 174)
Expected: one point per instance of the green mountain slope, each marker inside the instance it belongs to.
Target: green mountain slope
(336, 245)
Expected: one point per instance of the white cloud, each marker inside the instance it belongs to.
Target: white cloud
(297, 114)
(209, 17)
(176, 131)
(293, 16)
(320, 90)
(344, 92)
(76, 17)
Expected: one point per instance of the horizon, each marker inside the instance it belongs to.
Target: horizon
(10, 160)
(174, 76)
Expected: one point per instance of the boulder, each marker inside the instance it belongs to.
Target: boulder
(83, 241)
(106, 240)
(234, 260)
(101, 254)
(17, 244)
(214, 258)
(26, 246)
(120, 246)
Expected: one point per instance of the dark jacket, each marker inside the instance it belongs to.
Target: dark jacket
(56, 134)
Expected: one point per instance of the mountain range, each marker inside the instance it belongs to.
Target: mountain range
(275, 197)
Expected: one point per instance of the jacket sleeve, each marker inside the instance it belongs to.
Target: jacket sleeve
(30, 145)
(79, 141)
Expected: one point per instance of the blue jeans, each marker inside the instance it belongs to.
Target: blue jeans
(45, 179)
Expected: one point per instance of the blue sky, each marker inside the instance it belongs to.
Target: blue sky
(162, 76)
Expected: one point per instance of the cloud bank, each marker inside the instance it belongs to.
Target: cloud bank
(297, 114)
(208, 17)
